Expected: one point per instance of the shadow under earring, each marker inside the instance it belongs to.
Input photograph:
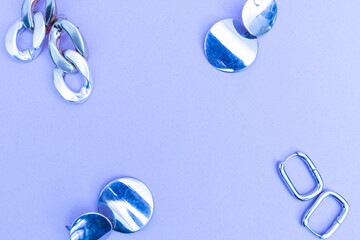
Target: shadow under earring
(231, 44)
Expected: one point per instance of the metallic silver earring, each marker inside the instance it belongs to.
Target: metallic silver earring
(313, 194)
(339, 219)
(34, 22)
(231, 44)
(314, 171)
(68, 61)
(125, 205)
(90, 226)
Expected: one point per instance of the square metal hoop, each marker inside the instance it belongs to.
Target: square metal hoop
(314, 171)
(339, 220)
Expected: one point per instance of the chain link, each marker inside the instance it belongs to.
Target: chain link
(54, 42)
(81, 65)
(37, 43)
(27, 13)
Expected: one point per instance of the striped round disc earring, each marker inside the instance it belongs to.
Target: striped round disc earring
(125, 205)
(90, 226)
(232, 44)
(128, 203)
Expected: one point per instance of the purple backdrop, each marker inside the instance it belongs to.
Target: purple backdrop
(205, 142)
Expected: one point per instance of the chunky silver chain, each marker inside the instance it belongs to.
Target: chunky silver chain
(27, 12)
(34, 22)
(68, 61)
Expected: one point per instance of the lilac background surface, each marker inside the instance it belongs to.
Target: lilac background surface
(205, 142)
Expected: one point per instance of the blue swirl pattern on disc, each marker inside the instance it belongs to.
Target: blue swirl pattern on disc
(128, 203)
(259, 16)
(229, 47)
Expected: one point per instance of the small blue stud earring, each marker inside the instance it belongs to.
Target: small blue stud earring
(231, 44)
(125, 205)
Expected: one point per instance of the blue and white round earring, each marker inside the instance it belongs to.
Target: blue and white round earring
(125, 205)
(232, 44)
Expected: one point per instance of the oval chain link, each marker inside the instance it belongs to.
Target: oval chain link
(81, 65)
(37, 44)
(27, 13)
(54, 44)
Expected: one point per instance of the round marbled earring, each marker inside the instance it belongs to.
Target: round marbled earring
(232, 44)
(125, 205)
